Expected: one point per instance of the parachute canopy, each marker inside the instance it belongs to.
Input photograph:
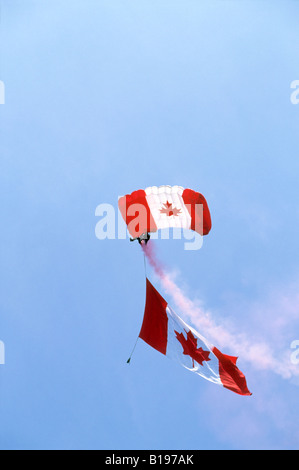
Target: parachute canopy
(154, 208)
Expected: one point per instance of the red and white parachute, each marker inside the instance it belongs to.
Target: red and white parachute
(154, 208)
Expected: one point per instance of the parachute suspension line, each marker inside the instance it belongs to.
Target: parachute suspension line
(144, 265)
(144, 259)
(129, 360)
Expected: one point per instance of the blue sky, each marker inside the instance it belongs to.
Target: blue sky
(105, 97)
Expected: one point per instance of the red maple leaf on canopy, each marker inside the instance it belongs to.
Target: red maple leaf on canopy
(190, 348)
(169, 210)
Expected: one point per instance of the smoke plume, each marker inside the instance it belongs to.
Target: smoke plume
(259, 354)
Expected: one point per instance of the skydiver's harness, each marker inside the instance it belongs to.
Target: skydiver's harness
(144, 237)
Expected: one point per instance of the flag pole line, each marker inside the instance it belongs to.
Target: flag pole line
(129, 360)
(144, 264)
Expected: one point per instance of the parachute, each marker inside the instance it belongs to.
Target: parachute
(154, 208)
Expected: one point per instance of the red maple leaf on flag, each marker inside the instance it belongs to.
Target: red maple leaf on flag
(189, 345)
(169, 210)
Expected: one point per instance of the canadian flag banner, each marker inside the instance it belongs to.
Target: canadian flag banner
(166, 332)
(156, 208)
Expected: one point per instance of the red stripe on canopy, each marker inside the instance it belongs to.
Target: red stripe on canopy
(200, 222)
(136, 213)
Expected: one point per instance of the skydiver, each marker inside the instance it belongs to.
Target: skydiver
(143, 238)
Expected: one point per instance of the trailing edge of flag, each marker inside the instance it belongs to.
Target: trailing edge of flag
(165, 331)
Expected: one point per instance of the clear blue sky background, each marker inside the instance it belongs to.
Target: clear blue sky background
(105, 97)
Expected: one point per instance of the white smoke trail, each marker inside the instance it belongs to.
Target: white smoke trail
(259, 354)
